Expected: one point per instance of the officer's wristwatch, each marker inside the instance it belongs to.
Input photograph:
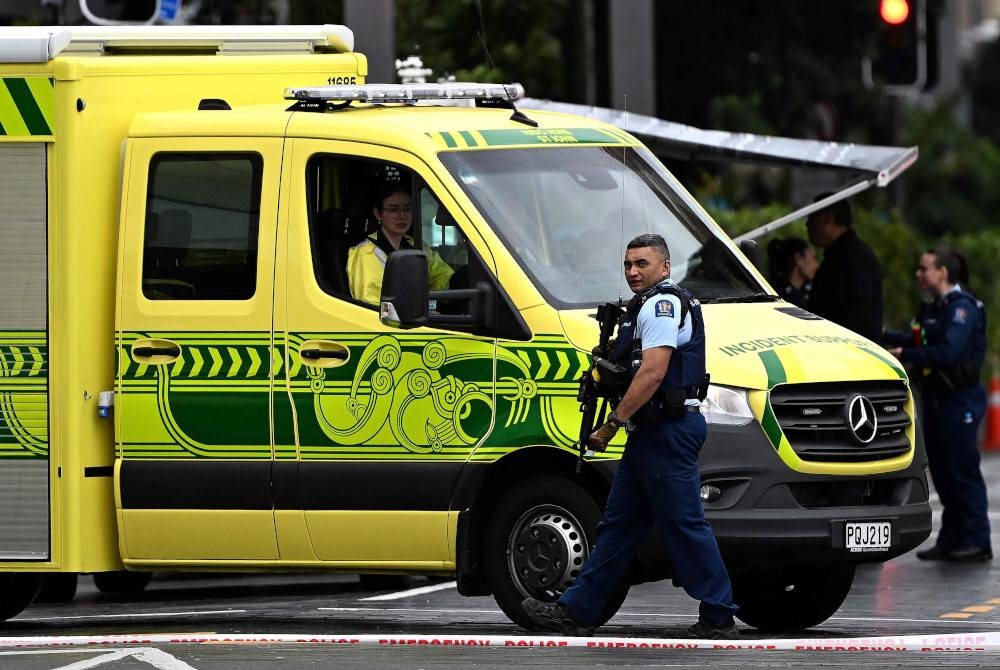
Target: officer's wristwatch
(615, 421)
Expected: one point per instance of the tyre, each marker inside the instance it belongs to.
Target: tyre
(791, 598)
(537, 540)
(121, 581)
(17, 590)
(58, 587)
(376, 582)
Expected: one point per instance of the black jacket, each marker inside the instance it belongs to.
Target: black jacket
(847, 288)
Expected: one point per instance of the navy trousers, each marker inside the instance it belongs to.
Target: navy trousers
(657, 482)
(951, 423)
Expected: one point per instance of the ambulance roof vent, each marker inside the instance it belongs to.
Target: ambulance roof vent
(496, 95)
(39, 44)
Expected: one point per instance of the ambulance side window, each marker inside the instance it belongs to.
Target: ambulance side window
(341, 192)
(201, 230)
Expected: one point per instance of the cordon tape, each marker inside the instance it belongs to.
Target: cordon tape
(974, 642)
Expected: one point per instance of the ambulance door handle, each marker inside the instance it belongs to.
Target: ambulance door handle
(323, 353)
(156, 352)
(316, 354)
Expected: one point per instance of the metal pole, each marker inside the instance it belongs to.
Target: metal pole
(374, 26)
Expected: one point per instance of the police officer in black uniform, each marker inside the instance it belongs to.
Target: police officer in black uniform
(946, 348)
(661, 344)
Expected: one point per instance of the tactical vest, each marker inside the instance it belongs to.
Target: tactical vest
(964, 372)
(686, 369)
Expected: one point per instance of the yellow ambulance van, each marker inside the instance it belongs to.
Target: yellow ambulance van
(189, 383)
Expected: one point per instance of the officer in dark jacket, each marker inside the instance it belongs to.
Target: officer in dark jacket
(661, 345)
(847, 288)
(946, 348)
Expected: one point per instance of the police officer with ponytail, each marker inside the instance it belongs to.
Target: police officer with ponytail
(661, 346)
(946, 348)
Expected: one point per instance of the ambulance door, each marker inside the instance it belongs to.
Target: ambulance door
(385, 419)
(195, 350)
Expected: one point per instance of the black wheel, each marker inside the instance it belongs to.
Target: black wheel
(121, 581)
(59, 587)
(538, 539)
(376, 582)
(791, 598)
(17, 590)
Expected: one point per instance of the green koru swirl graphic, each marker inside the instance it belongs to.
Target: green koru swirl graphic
(408, 397)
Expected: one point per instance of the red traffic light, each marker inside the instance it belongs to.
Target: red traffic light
(894, 12)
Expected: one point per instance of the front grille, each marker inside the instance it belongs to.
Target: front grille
(813, 418)
(864, 493)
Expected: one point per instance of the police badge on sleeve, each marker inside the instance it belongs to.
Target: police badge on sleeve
(664, 308)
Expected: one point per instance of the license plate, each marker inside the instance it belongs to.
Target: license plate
(870, 536)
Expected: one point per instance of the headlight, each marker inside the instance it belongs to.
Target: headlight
(726, 406)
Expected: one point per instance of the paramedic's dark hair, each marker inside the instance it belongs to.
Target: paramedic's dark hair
(781, 255)
(388, 188)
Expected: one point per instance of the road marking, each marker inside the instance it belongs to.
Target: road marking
(971, 610)
(637, 615)
(412, 609)
(155, 657)
(29, 652)
(97, 660)
(399, 595)
(149, 615)
(981, 642)
(847, 618)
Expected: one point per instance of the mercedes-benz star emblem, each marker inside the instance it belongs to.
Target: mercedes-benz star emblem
(861, 419)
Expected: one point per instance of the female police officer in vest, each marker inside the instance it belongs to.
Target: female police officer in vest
(661, 342)
(947, 353)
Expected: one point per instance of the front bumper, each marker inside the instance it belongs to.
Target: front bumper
(768, 514)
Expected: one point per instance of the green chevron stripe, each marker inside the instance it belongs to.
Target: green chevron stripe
(26, 106)
(469, 139)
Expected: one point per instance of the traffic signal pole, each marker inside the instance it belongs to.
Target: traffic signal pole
(899, 62)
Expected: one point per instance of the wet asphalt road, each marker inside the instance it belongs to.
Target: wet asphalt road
(945, 603)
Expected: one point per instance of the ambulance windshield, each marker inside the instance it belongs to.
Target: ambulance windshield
(566, 214)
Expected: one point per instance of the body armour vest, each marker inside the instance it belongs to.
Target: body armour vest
(686, 369)
(965, 371)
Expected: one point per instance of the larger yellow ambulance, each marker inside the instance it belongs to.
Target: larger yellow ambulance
(187, 382)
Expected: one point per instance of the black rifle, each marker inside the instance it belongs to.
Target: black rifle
(593, 403)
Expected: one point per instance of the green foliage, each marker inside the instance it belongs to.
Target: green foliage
(534, 43)
(981, 249)
(898, 246)
(984, 85)
(738, 221)
(780, 58)
(953, 186)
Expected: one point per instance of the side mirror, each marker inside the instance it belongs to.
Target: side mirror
(749, 249)
(121, 12)
(405, 290)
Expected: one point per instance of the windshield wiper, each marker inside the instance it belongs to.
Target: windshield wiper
(753, 297)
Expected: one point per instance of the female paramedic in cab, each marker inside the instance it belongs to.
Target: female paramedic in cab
(366, 260)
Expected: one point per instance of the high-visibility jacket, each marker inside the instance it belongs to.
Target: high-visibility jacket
(366, 264)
